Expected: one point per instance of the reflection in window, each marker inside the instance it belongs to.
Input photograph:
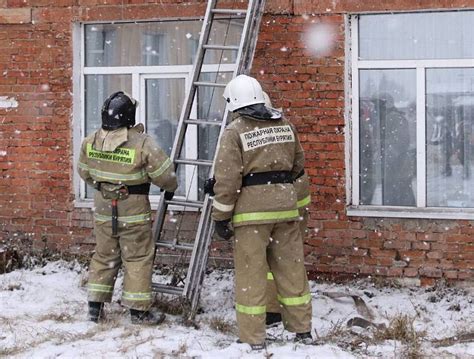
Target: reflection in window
(450, 137)
(387, 142)
(153, 49)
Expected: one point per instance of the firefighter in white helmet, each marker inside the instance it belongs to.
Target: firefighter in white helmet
(303, 198)
(259, 157)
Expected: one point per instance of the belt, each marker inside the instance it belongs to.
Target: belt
(270, 177)
(143, 188)
(299, 174)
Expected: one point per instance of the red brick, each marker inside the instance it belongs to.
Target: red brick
(15, 16)
(38, 159)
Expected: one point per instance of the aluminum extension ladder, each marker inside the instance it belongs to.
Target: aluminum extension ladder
(200, 247)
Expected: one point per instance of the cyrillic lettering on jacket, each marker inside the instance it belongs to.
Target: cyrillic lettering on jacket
(266, 136)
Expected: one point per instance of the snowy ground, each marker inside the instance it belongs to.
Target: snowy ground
(43, 315)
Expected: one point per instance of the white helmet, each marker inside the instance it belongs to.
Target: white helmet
(243, 91)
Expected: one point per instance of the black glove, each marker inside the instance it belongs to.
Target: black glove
(223, 229)
(169, 195)
(209, 186)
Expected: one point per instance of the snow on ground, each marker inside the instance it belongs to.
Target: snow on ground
(43, 315)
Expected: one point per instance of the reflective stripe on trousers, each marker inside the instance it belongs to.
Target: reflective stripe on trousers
(304, 299)
(101, 288)
(138, 218)
(136, 296)
(251, 310)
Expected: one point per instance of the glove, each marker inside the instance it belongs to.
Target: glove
(209, 186)
(169, 195)
(223, 229)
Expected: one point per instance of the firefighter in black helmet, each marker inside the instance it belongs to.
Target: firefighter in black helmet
(118, 111)
(121, 161)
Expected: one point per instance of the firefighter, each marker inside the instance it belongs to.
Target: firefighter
(258, 157)
(303, 197)
(120, 161)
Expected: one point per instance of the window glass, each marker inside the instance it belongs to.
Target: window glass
(157, 43)
(164, 99)
(433, 35)
(387, 125)
(211, 106)
(450, 137)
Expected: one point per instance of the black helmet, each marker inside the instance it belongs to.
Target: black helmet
(118, 111)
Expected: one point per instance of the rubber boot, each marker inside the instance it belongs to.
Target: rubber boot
(146, 317)
(272, 319)
(255, 347)
(304, 338)
(96, 311)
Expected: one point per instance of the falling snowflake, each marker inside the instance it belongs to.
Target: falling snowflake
(320, 39)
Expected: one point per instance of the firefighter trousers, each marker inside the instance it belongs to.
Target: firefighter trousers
(273, 306)
(278, 246)
(134, 247)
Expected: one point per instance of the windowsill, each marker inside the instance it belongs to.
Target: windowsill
(409, 212)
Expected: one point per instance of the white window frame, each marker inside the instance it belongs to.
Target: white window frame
(353, 65)
(139, 74)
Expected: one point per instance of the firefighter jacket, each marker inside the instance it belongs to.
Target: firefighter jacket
(134, 159)
(248, 146)
(302, 192)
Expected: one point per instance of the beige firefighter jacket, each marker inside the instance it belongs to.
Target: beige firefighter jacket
(302, 192)
(135, 159)
(248, 146)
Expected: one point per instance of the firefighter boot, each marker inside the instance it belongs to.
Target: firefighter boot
(254, 347)
(96, 311)
(272, 319)
(304, 338)
(146, 317)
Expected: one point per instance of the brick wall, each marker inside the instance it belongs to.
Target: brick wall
(36, 193)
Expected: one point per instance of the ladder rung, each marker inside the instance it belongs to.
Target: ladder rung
(186, 161)
(203, 122)
(221, 47)
(209, 84)
(229, 11)
(195, 204)
(168, 289)
(186, 247)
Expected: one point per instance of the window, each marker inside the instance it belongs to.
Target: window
(412, 115)
(153, 62)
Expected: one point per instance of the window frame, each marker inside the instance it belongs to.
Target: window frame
(139, 74)
(353, 65)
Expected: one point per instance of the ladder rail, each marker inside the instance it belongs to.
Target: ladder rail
(204, 237)
(244, 57)
(205, 216)
(180, 131)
